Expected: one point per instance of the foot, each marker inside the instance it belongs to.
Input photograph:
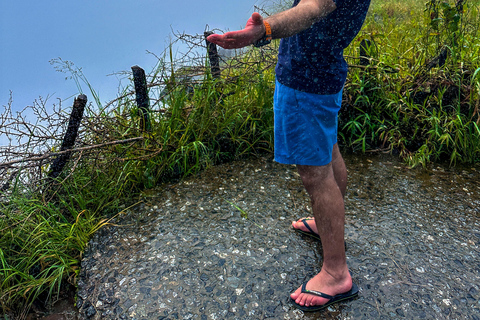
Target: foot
(300, 225)
(322, 282)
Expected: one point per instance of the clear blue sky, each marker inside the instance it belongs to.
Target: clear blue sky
(100, 36)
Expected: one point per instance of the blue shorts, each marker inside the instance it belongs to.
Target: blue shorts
(305, 126)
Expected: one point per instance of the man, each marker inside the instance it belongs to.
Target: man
(310, 75)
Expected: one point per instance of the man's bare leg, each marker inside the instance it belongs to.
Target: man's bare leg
(329, 212)
(340, 173)
(339, 169)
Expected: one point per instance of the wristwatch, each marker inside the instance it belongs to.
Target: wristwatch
(267, 37)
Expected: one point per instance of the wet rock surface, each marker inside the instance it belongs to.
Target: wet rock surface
(220, 246)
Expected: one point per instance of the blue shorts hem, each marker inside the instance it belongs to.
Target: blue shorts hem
(285, 160)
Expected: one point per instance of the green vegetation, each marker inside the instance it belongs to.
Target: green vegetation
(45, 230)
(407, 101)
(420, 95)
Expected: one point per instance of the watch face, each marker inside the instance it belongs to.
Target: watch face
(262, 42)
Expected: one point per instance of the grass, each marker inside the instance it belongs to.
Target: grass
(407, 103)
(41, 247)
(243, 213)
(45, 230)
(395, 104)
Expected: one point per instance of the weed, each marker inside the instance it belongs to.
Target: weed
(243, 213)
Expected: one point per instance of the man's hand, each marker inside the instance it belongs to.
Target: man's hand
(254, 30)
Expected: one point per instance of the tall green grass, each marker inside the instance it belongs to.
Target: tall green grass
(41, 245)
(404, 101)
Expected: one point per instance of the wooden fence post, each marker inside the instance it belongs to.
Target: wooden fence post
(143, 101)
(70, 136)
(364, 52)
(213, 56)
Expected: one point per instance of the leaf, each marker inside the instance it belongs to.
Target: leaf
(445, 6)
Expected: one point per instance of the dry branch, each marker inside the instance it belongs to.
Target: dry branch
(53, 154)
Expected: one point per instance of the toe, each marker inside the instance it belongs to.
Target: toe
(295, 295)
(299, 223)
(300, 300)
(308, 300)
(299, 297)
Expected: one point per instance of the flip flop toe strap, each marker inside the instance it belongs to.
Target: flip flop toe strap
(317, 293)
(307, 226)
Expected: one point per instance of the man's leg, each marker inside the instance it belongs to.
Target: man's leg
(326, 189)
(339, 169)
(340, 174)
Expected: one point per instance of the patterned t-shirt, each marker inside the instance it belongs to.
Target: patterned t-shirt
(312, 60)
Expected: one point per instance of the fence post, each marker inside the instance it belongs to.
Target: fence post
(213, 56)
(70, 136)
(143, 101)
(364, 52)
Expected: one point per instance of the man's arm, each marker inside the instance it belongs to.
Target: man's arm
(301, 17)
(284, 24)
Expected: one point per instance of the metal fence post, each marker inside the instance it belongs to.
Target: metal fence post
(70, 136)
(213, 56)
(143, 101)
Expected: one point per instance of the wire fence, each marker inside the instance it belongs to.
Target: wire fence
(34, 138)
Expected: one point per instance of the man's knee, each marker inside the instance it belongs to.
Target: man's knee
(336, 155)
(313, 177)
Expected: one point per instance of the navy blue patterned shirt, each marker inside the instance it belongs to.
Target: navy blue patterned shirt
(312, 60)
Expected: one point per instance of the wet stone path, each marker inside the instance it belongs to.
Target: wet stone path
(220, 246)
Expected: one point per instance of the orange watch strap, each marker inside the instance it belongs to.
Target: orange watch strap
(267, 38)
(268, 31)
